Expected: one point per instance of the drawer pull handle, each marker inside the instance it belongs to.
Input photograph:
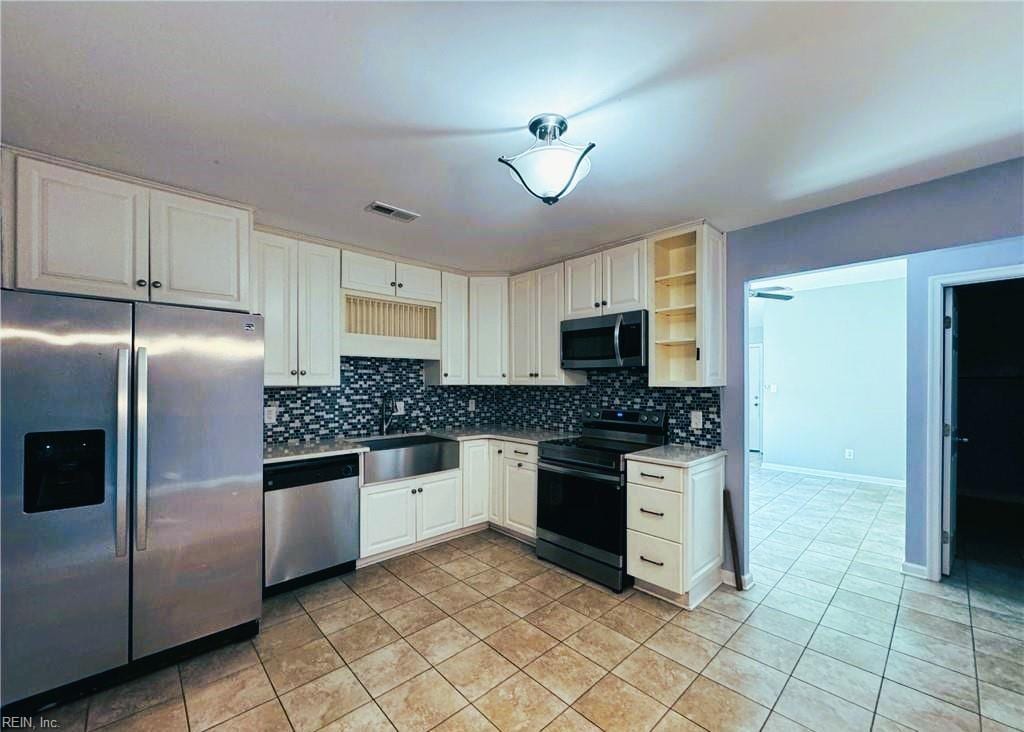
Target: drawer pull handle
(651, 475)
(651, 561)
(659, 514)
(520, 452)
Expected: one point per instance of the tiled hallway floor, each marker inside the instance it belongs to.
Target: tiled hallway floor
(476, 634)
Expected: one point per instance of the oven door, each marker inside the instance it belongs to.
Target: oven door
(607, 341)
(582, 510)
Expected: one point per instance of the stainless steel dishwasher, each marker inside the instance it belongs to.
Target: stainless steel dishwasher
(311, 517)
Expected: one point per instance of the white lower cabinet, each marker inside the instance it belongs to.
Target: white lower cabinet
(520, 480)
(440, 506)
(476, 481)
(496, 448)
(674, 528)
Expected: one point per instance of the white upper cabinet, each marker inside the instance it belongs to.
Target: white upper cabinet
(535, 298)
(296, 291)
(199, 252)
(418, 283)
(454, 329)
(488, 330)
(319, 314)
(496, 448)
(387, 277)
(612, 281)
(583, 287)
(276, 292)
(366, 273)
(81, 233)
(624, 271)
(523, 328)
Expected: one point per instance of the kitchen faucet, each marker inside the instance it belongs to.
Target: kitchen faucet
(387, 411)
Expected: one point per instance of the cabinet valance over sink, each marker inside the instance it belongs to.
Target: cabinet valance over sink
(391, 327)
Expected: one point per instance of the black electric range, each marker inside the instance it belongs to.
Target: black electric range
(581, 492)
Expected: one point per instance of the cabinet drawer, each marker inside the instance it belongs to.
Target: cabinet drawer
(655, 560)
(654, 511)
(659, 476)
(519, 451)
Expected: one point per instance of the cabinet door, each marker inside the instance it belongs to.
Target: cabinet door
(199, 252)
(81, 233)
(418, 283)
(476, 481)
(625, 278)
(440, 506)
(583, 287)
(522, 326)
(454, 329)
(550, 300)
(276, 293)
(702, 522)
(319, 315)
(711, 307)
(521, 496)
(497, 482)
(488, 330)
(366, 273)
(387, 517)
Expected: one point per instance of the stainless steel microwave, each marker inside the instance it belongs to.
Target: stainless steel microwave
(606, 341)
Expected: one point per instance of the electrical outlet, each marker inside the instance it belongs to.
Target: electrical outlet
(269, 415)
(399, 407)
(848, 453)
(696, 420)
(472, 405)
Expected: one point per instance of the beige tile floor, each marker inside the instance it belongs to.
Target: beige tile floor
(476, 634)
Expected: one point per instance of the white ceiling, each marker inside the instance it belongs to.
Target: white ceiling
(737, 112)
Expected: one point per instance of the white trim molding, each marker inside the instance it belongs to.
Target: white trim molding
(933, 412)
(729, 578)
(895, 482)
(915, 570)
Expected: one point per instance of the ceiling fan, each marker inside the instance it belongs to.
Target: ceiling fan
(772, 293)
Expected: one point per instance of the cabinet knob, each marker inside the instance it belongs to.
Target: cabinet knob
(499, 452)
(503, 376)
(446, 374)
(597, 304)
(400, 284)
(604, 302)
(141, 283)
(413, 491)
(393, 284)
(519, 465)
(419, 490)
(302, 373)
(157, 283)
(294, 372)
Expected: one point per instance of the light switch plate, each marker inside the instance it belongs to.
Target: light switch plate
(848, 453)
(472, 405)
(269, 415)
(696, 420)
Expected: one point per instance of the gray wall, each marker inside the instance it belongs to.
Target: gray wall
(981, 205)
(836, 357)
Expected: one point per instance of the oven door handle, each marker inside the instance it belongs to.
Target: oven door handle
(615, 339)
(604, 477)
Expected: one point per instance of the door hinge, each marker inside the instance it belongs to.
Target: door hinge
(698, 353)
(947, 322)
(945, 537)
(946, 430)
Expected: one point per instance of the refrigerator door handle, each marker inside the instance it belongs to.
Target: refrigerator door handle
(141, 446)
(121, 486)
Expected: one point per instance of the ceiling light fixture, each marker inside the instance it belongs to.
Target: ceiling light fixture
(550, 169)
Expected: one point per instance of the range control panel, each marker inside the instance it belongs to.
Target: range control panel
(654, 417)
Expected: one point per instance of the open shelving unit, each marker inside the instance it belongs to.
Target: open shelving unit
(686, 270)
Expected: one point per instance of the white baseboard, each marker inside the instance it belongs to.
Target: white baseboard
(894, 482)
(729, 578)
(915, 570)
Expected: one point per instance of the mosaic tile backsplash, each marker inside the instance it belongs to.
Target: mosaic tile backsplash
(352, 409)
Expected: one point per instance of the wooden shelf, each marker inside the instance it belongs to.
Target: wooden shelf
(689, 275)
(675, 342)
(677, 309)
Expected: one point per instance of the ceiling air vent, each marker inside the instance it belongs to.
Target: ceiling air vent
(392, 212)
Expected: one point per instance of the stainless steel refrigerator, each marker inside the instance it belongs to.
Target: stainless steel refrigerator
(131, 511)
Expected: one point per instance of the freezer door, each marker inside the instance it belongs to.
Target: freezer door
(198, 492)
(64, 390)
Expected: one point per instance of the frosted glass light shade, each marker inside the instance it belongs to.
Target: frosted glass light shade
(550, 169)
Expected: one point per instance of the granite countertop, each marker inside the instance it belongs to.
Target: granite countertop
(681, 456)
(330, 447)
(334, 446)
(497, 432)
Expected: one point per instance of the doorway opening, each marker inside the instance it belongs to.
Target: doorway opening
(983, 423)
